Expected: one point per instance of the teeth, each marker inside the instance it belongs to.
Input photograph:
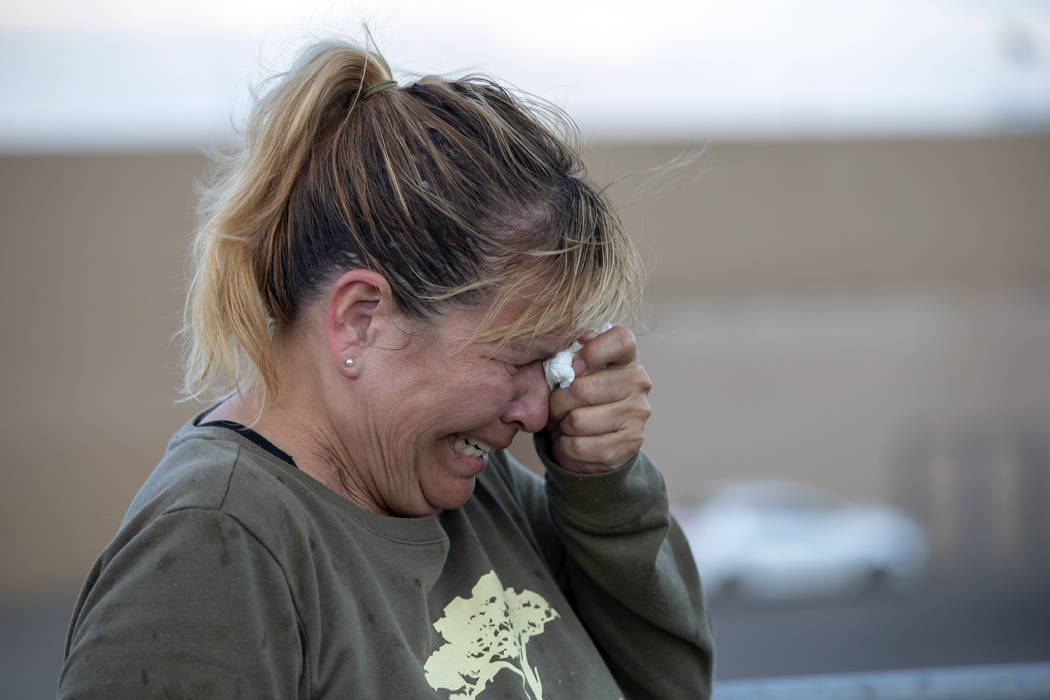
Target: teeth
(470, 446)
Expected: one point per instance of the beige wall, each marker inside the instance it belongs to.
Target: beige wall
(832, 217)
(813, 303)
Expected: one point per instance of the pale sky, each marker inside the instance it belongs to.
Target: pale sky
(123, 73)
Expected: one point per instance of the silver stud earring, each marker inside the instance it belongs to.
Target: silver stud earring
(349, 362)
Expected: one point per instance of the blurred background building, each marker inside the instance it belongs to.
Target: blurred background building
(849, 284)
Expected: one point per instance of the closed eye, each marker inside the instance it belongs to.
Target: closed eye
(519, 365)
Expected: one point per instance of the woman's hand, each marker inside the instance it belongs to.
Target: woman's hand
(596, 424)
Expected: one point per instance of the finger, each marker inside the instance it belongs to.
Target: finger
(609, 385)
(616, 417)
(610, 450)
(615, 347)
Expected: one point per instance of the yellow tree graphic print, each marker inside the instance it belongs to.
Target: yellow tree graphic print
(485, 634)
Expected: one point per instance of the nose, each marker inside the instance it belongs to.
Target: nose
(528, 409)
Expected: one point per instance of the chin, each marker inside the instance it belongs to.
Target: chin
(453, 494)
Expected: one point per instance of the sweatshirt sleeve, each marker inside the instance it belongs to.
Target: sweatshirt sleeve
(632, 577)
(192, 605)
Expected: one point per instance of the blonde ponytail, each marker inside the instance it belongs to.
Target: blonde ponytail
(231, 309)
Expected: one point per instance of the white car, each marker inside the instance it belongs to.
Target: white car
(779, 540)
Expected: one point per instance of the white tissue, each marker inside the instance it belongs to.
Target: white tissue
(558, 367)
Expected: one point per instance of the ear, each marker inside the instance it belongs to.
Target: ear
(359, 304)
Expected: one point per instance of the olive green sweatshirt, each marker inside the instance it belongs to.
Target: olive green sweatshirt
(235, 575)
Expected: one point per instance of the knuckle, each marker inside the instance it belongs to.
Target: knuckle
(573, 422)
(643, 410)
(571, 446)
(583, 391)
(641, 378)
(623, 335)
(602, 456)
(636, 445)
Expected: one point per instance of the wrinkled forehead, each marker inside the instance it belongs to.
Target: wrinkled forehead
(509, 329)
(545, 345)
(528, 324)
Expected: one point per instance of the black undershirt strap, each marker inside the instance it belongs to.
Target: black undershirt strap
(251, 435)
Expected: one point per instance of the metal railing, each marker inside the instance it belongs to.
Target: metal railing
(1029, 681)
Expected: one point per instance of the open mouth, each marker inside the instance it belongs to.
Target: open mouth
(471, 447)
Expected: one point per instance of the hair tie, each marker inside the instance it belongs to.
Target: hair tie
(371, 89)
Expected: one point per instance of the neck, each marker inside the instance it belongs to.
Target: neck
(303, 432)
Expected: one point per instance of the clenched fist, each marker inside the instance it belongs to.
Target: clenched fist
(596, 424)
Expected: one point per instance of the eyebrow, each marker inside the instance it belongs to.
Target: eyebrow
(539, 348)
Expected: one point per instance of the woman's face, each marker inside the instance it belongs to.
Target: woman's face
(434, 409)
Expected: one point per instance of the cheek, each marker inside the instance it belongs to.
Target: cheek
(485, 395)
(453, 404)
(472, 375)
(496, 387)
